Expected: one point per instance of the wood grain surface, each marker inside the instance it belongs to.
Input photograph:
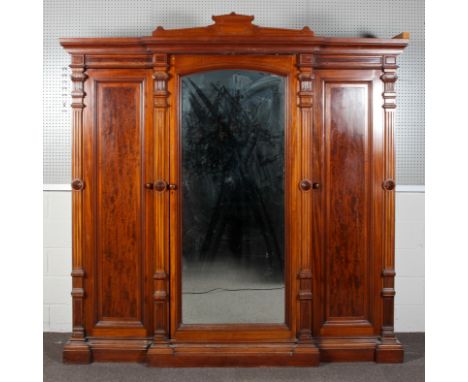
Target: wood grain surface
(339, 227)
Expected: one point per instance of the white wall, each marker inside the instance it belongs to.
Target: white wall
(57, 261)
(409, 259)
(409, 302)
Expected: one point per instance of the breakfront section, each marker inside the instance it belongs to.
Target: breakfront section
(112, 214)
(351, 209)
(233, 197)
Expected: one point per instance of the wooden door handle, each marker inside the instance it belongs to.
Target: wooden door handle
(77, 185)
(306, 185)
(160, 186)
(388, 184)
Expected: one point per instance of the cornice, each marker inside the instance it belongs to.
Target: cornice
(235, 34)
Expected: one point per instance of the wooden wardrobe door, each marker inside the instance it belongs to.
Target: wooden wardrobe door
(348, 125)
(117, 139)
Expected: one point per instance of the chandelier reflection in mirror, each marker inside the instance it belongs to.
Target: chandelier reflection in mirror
(233, 197)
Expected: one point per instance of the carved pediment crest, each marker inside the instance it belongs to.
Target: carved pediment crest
(231, 24)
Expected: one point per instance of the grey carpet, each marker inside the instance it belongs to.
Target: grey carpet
(411, 370)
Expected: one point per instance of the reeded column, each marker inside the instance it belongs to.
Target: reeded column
(76, 349)
(161, 201)
(390, 349)
(305, 102)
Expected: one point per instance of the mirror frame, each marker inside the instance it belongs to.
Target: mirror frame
(284, 66)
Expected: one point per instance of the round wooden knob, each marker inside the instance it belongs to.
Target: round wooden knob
(160, 185)
(77, 185)
(305, 185)
(388, 184)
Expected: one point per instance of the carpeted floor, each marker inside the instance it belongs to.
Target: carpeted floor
(411, 370)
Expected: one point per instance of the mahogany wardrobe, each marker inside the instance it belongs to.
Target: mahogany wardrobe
(233, 197)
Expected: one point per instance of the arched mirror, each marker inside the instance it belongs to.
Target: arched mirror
(232, 149)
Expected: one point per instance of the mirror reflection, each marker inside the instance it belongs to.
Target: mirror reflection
(232, 125)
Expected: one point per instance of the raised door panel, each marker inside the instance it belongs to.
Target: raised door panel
(117, 205)
(348, 253)
(347, 171)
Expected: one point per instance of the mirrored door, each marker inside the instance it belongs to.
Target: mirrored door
(230, 254)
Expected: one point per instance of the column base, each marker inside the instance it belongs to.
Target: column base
(76, 351)
(392, 352)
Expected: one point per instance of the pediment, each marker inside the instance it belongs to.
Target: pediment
(232, 25)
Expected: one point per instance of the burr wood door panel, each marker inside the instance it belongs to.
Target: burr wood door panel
(118, 157)
(351, 202)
